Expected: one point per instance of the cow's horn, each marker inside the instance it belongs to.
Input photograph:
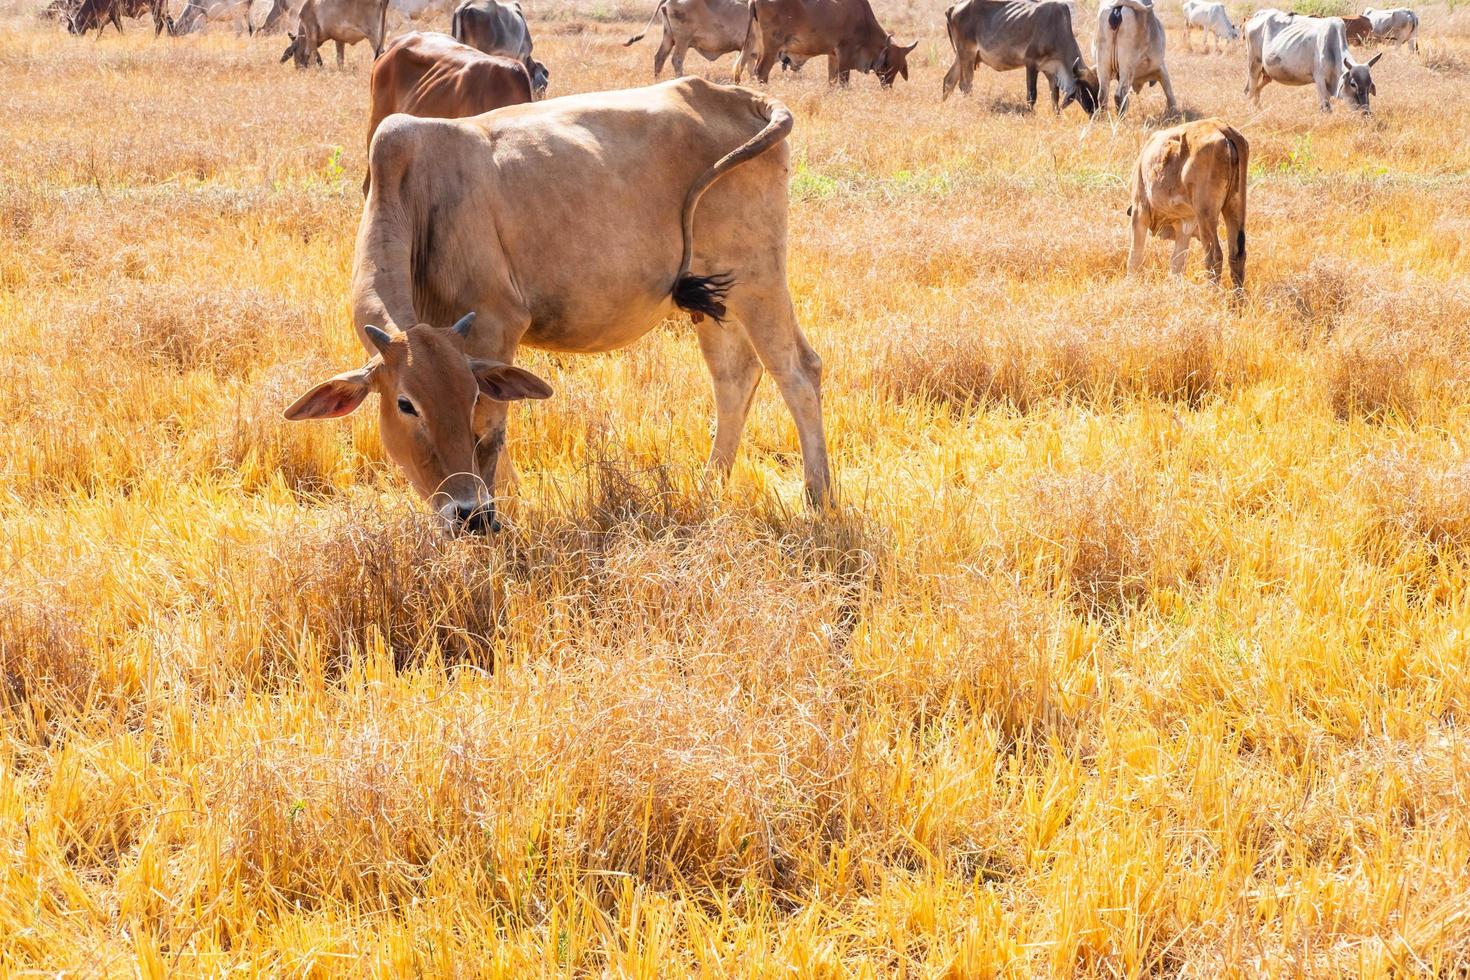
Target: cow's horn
(465, 322)
(379, 337)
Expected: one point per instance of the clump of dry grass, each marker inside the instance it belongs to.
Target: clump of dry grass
(45, 660)
(1099, 350)
(1398, 350)
(1412, 498)
(1103, 538)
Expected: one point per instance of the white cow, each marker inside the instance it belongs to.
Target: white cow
(1397, 26)
(1129, 47)
(1296, 50)
(1210, 18)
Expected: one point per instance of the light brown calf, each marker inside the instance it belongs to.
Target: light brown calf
(1187, 178)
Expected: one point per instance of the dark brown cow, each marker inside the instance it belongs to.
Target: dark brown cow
(1359, 29)
(95, 13)
(846, 31)
(434, 76)
(82, 17)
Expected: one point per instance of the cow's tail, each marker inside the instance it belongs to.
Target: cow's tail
(382, 31)
(1240, 158)
(646, 27)
(456, 24)
(705, 295)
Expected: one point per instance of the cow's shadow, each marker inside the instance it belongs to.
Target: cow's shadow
(1010, 106)
(1164, 117)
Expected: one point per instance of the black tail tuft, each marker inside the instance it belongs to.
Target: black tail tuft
(1240, 243)
(1115, 17)
(703, 294)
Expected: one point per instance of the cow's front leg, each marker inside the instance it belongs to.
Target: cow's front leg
(1031, 87)
(1324, 94)
(1056, 94)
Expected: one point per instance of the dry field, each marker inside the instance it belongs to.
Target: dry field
(1137, 646)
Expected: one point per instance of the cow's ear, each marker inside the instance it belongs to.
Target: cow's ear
(334, 397)
(1374, 60)
(507, 383)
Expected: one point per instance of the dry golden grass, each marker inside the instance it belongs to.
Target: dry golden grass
(1138, 646)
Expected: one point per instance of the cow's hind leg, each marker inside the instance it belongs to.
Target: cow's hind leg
(770, 322)
(735, 371)
(1207, 229)
(341, 53)
(662, 54)
(1031, 87)
(961, 74)
(1169, 99)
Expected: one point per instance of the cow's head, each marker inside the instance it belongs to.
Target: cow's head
(893, 61)
(540, 78)
(433, 399)
(1084, 88)
(302, 50)
(1356, 83)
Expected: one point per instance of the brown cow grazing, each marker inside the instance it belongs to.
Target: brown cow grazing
(433, 75)
(1359, 29)
(661, 198)
(846, 31)
(1187, 178)
(712, 27)
(342, 21)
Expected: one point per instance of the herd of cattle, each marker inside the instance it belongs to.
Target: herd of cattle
(1128, 46)
(689, 179)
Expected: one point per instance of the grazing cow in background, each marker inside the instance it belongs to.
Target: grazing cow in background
(197, 14)
(1010, 34)
(1129, 48)
(418, 11)
(1211, 19)
(95, 13)
(434, 75)
(1296, 50)
(272, 16)
(711, 27)
(1359, 29)
(499, 28)
(847, 32)
(662, 198)
(341, 21)
(1186, 180)
(1397, 26)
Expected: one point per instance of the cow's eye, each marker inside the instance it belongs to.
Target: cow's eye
(406, 407)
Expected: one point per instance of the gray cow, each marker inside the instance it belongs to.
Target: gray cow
(1129, 48)
(499, 28)
(1296, 50)
(1010, 34)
